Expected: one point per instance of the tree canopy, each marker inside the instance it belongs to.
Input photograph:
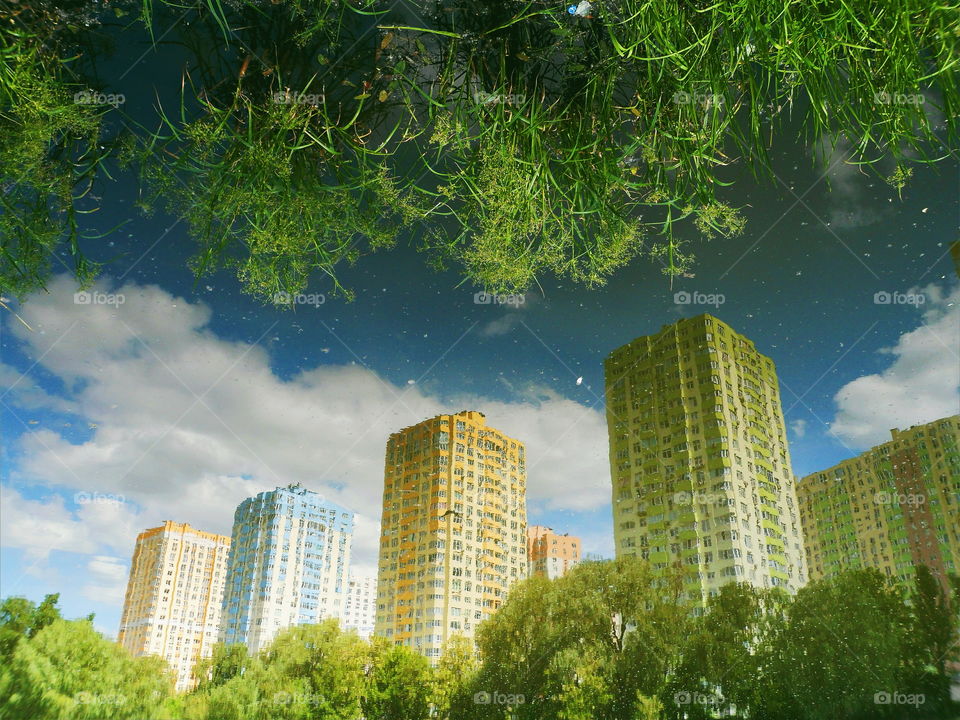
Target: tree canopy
(611, 640)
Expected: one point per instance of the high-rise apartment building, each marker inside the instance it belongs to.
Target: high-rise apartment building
(894, 506)
(699, 460)
(453, 532)
(551, 554)
(172, 604)
(289, 564)
(360, 605)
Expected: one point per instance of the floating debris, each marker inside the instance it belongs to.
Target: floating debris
(584, 9)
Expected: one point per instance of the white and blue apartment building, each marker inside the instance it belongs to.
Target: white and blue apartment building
(289, 565)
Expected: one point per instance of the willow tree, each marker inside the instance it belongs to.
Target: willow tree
(52, 149)
(510, 138)
(278, 157)
(571, 144)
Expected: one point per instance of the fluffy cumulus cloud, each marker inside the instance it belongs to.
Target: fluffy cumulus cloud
(39, 527)
(108, 579)
(921, 384)
(184, 425)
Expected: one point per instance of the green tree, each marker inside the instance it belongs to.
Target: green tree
(308, 671)
(225, 662)
(51, 146)
(556, 145)
(931, 640)
(842, 645)
(323, 663)
(20, 618)
(68, 671)
(592, 641)
(454, 674)
(399, 683)
(585, 687)
(723, 657)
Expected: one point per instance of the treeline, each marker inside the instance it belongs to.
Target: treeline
(609, 641)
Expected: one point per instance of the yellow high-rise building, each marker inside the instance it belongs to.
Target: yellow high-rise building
(894, 506)
(174, 593)
(699, 460)
(454, 529)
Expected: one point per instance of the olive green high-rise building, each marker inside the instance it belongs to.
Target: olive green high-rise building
(699, 460)
(893, 507)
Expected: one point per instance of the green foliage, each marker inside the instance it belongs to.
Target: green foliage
(225, 663)
(274, 203)
(570, 647)
(20, 618)
(826, 653)
(398, 685)
(279, 176)
(308, 671)
(561, 133)
(454, 674)
(50, 154)
(512, 223)
(933, 638)
(325, 663)
(723, 655)
(68, 671)
(609, 641)
(842, 645)
(556, 146)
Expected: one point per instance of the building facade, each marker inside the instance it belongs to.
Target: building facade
(893, 507)
(551, 554)
(360, 606)
(699, 460)
(172, 604)
(288, 566)
(453, 531)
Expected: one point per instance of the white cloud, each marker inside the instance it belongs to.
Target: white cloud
(40, 527)
(799, 428)
(514, 305)
(189, 424)
(849, 207)
(108, 580)
(15, 388)
(922, 383)
(501, 326)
